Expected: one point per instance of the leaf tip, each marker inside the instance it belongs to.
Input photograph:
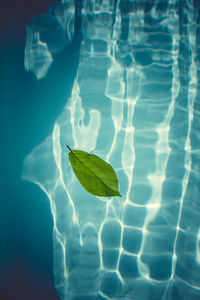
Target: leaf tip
(118, 194)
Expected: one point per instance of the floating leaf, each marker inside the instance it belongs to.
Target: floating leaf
(95, 175)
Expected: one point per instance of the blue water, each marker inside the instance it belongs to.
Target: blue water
(28, 109)
(130, 96)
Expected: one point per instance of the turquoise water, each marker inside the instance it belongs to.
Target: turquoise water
(134, 102)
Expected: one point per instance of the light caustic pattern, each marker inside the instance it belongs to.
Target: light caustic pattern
(135, 103)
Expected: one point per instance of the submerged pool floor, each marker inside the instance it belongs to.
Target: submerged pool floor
(135, 103)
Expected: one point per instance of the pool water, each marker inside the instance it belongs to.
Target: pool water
(134, 103)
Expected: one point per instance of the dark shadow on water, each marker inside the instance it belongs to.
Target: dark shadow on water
(28, 110)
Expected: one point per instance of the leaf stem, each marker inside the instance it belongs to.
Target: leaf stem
(72, 153)
(69, 148)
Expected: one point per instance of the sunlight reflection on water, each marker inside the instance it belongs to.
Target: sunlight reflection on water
(137, 114)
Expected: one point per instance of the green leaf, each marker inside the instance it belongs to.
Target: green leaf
(95, 175)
